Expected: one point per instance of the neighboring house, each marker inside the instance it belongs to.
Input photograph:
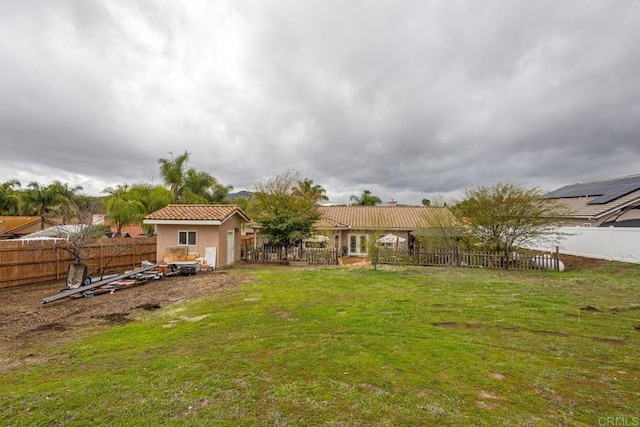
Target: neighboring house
(607, 202)
(14, 227)
(130, 230)
(351, 226)
(55, 232)
(200, 228)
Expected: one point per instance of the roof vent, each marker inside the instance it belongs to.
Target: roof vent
(392, 203)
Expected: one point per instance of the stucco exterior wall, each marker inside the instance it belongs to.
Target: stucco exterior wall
(206, 236)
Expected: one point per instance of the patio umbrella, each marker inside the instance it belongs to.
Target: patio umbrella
(391, 238)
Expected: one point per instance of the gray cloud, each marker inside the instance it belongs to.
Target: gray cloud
(407, 99)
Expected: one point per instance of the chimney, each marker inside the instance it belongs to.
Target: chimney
(392, 203)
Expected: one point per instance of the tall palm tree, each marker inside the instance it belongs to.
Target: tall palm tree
(307, 189)
(44, 201)
(367, 199)
(189, 185)
(68, 199)
(10, 199)
(173, 172)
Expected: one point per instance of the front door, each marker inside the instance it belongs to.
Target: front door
(231, 249)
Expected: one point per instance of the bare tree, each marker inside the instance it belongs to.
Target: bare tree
(508, 215)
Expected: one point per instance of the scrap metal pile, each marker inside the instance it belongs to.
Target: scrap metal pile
(80, 285)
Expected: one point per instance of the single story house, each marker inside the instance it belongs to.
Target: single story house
(14, 227)
(351, 226)
(601, 203)
(211, 231)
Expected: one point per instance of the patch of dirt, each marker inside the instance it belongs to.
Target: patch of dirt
(27, 325)
(577, 262)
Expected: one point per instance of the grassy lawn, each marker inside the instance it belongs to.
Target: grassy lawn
(358, 347)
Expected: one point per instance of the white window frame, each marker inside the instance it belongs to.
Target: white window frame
(362, 241)
(187, 233)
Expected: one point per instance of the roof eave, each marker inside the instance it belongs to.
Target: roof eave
(181, 222)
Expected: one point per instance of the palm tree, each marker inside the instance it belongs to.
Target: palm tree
(311, 191)
(190, 185)
(367, 199)
(201, 187)
(10, 199)
(122, 207)
(173, 172)
(69, 199)
(44, 201)
(153, 197)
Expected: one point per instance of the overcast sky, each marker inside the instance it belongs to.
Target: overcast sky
(408, 99)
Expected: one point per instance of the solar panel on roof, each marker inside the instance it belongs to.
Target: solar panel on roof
(606, 191)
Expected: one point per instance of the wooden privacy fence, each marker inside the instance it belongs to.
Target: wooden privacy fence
(281, 254)
(478, 259)
(36, 261)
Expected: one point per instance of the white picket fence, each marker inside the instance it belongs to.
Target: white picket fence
(610, 243)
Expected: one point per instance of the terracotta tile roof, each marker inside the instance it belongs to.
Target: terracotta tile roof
(387, 217)
(133, 230)
(195, 213)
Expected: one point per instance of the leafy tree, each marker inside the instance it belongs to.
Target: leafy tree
(242, 202)
(375, 251)
(508, 215)
(10, 199)
(307, 189)
(443, 232)
(285, 218)
(366, 199)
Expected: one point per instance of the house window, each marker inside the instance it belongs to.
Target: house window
(186, 238)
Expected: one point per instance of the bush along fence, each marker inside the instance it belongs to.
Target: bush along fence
(478, 259)
(36, 261)
(291, 255)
